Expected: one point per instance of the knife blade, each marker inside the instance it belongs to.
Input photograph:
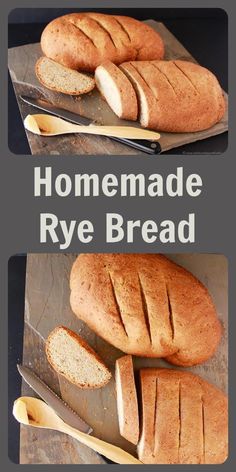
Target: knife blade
(52, 399)
(150, 147)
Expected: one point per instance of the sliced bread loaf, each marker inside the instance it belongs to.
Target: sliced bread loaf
(175, 96)
(56, 77)
(184, 419)
(117, 90)
(73, 358)
(127, 403)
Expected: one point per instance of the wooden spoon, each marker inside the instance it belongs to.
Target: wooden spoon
(34, 412)
(47, 125)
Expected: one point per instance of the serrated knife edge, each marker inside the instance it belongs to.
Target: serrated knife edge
(44, 391)
(149, 147)
(63, 113)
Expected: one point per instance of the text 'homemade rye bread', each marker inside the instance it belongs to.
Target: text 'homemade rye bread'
(184, 419)
(145, 305)
(84, 40)
(127, 402)
(73, 358)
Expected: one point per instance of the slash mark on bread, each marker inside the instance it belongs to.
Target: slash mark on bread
(180, 419)
(203, 431)
(155, 420)
(186, 76)
(82, 32)
(99, 23)
(123, 28)
(164, 75)
(144, 80)
(171, 317)
(145, 308)
(117, 304)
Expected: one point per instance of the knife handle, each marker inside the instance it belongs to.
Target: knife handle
(114, 453)
(150, 147)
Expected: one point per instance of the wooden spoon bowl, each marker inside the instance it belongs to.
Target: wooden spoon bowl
(48, 125)
(34, 412)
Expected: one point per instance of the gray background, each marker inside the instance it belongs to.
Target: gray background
(215, 209)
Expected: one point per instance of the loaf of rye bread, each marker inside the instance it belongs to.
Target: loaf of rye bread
(184, 419)
(145, 305)
(84, 40)
(173, 96)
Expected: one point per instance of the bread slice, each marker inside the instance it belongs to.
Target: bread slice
(56, 77)
(148, 107)
(73, 358)
(127, 403)
(117, 90)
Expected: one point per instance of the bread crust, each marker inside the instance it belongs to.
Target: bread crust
(184, 419)
(145, 305)
(124, 88)
(148, 105)
(176, 96)
(81, 342)
(127, 402)
(84, 40)
(44, 82)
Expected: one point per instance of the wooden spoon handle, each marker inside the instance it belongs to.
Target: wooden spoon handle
(129, 132)
(47, 125)
(113, 453)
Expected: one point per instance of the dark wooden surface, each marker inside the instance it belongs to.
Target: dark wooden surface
(47, 305)
(21, 66)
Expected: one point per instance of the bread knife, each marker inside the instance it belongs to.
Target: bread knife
(150, 147)
(52, 399)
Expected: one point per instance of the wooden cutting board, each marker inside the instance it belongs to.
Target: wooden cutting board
(47, 306)
(21, 61)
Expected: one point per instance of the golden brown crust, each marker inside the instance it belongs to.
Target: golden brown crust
(84, 40)
(184, 419)
(178, 96)
(145, 305)
(124, 87)
(43, 80)
(85, 345)
(148, 105)
(127, 402)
